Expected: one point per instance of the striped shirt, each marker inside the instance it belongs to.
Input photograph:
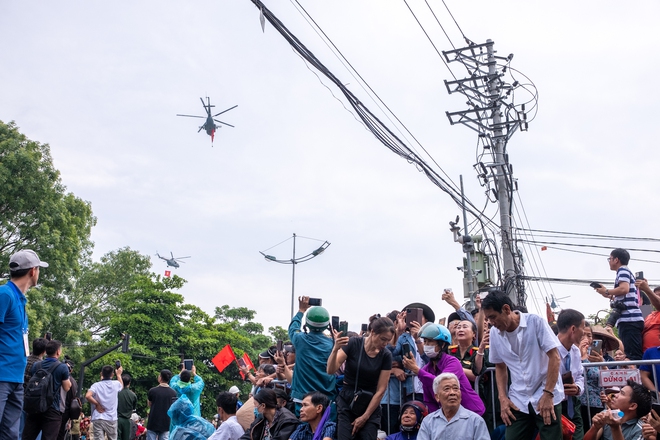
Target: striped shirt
(632, 312)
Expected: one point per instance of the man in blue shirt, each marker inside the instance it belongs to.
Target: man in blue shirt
(48, 422)
(14, 348)
(312, 350)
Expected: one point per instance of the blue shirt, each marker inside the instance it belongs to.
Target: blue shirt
(193, 390)
(13, 324)
(61, 373)
(312, 352)
(651, 354)
(304, 432)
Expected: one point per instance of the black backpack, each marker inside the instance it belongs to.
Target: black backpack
(40, 392)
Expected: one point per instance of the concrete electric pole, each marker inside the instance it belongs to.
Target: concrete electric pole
(487, 93)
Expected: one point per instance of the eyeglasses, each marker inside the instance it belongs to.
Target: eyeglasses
(611, 258)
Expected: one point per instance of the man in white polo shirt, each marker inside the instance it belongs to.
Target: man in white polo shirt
(103, 397)
(527, 346)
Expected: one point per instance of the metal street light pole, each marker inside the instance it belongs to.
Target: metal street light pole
(293, 261)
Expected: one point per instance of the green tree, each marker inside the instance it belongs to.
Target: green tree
(164, 330)
(36, 211)
(279, 333)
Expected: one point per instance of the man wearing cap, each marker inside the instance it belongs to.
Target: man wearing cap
(312, 351)
(14, 347)
(236, 392)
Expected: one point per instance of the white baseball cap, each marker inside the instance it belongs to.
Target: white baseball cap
(25, 259)
(234, 390)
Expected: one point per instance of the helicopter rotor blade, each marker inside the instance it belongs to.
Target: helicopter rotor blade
(191, 116)
(223, 123)
(226, 110)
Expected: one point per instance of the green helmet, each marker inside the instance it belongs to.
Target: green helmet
(317, 318)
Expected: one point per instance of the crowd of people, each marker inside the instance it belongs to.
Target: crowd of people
(495, 372)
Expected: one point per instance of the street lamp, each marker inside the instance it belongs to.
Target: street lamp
(293, 261)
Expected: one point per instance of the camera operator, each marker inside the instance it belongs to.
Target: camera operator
(312, 349)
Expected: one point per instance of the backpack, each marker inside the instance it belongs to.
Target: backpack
(40, 392)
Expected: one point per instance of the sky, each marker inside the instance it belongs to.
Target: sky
(102, 83)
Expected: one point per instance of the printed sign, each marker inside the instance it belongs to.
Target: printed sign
(618, 378)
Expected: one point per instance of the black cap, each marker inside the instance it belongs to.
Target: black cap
(454, 317)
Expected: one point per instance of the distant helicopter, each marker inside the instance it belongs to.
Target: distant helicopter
(174, 262)
(209, 124)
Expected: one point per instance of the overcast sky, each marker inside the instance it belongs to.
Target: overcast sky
(102, 83)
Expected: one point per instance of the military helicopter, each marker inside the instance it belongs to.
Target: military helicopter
(174, 262)
(209, 124)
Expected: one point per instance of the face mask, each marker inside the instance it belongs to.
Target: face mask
(429, 350)
(256, 413)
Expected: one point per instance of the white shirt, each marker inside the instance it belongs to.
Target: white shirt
(105, 392)
(576, 365)
(529, 369)
(230, 429)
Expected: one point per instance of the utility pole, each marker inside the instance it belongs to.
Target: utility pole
(503, 191)
(487, 93)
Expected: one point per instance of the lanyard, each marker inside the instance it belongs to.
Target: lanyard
(19, 295)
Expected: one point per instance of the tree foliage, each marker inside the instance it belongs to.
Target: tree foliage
(36, 211)
(163, 328)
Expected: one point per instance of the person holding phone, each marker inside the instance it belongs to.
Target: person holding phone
(571, 326)
(312, 348)
(367, 371)
(590, 401)
(189, 383)
(624, 296)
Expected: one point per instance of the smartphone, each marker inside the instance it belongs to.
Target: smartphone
(335, 323)
(117, 364)
(188, 364)
(597, 346)
(414, 314)
(406, 349)
(279, 345)
(364, 328)
(639, 276)
(241, 363)
(442, 321)
(49, 336)
(595, 285)
(656, 407)
(315, 301)
(343, 328)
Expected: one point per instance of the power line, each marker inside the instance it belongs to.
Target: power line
(613, 237)
(590, 246)
(380, 131)
(467, 40)
(599, 255)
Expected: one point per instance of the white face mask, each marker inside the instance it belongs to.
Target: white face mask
(429, 350)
